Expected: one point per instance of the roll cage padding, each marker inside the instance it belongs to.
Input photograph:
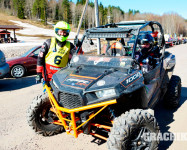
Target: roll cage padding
(161, 42)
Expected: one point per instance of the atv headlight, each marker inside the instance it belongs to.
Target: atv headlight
(55, 84)
(105, 93)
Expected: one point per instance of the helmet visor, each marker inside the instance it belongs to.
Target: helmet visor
(144, 41)
(62, 32)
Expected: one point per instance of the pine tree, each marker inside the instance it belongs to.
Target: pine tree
(66, 11)
(78, 2)
(57, 13)
(101, 13)
(21, 14)
(40, 10)
(91, 4)
(43, 8)
(19, 6)
(36, 8)
(82, 2)
(15, 3)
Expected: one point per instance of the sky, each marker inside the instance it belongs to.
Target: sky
(158, 7)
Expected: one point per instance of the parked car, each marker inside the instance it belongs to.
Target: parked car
(25, 64)
(169, 43)
(184, 41)
(4, 67)
(177, 41)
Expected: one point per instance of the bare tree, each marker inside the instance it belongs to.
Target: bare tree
(28, 8)
(73, 12)
(52, 4)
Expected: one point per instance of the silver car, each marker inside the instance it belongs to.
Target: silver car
(4, 67)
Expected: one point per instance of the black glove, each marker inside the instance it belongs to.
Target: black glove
(38, 77)
(77, 42)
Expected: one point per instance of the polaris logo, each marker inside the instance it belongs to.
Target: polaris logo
(132, 78)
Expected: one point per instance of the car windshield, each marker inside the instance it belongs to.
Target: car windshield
(28, 52)
(102, 61)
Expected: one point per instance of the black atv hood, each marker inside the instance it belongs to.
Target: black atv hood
(94, 73)
(83, 79)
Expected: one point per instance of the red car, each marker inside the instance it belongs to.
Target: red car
(25, 64)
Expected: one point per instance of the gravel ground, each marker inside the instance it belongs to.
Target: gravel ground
(15, 51)
(17, 94)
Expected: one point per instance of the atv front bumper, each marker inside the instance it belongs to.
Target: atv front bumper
(72, 127)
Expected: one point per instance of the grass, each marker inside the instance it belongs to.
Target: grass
(38, 35)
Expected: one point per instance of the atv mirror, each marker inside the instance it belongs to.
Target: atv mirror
(91, 42)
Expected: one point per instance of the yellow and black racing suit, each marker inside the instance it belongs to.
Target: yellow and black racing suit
(53, 56)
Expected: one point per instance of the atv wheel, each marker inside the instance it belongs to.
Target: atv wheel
(40, 117)
(129, 130)
(173, 94)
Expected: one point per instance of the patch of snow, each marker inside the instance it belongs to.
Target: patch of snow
(25, 43)
(29, 29)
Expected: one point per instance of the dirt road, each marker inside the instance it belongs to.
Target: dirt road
(17, 94)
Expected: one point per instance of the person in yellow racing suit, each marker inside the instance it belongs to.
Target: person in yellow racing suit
(55, 53)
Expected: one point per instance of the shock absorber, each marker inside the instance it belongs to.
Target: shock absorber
(112, 112)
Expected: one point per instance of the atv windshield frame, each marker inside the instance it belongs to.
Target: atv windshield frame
(123, 30)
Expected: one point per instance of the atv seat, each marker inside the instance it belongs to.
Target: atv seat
(116, 49)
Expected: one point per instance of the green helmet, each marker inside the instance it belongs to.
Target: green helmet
(62, 25)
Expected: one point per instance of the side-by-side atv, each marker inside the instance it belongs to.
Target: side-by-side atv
(111, 95)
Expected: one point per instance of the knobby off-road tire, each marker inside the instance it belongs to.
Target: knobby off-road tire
(39, 117)
(129, 129)
(173, 94)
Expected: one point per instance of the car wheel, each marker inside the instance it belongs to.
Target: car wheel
(133, 130)
(40, 117)
(17, 71)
